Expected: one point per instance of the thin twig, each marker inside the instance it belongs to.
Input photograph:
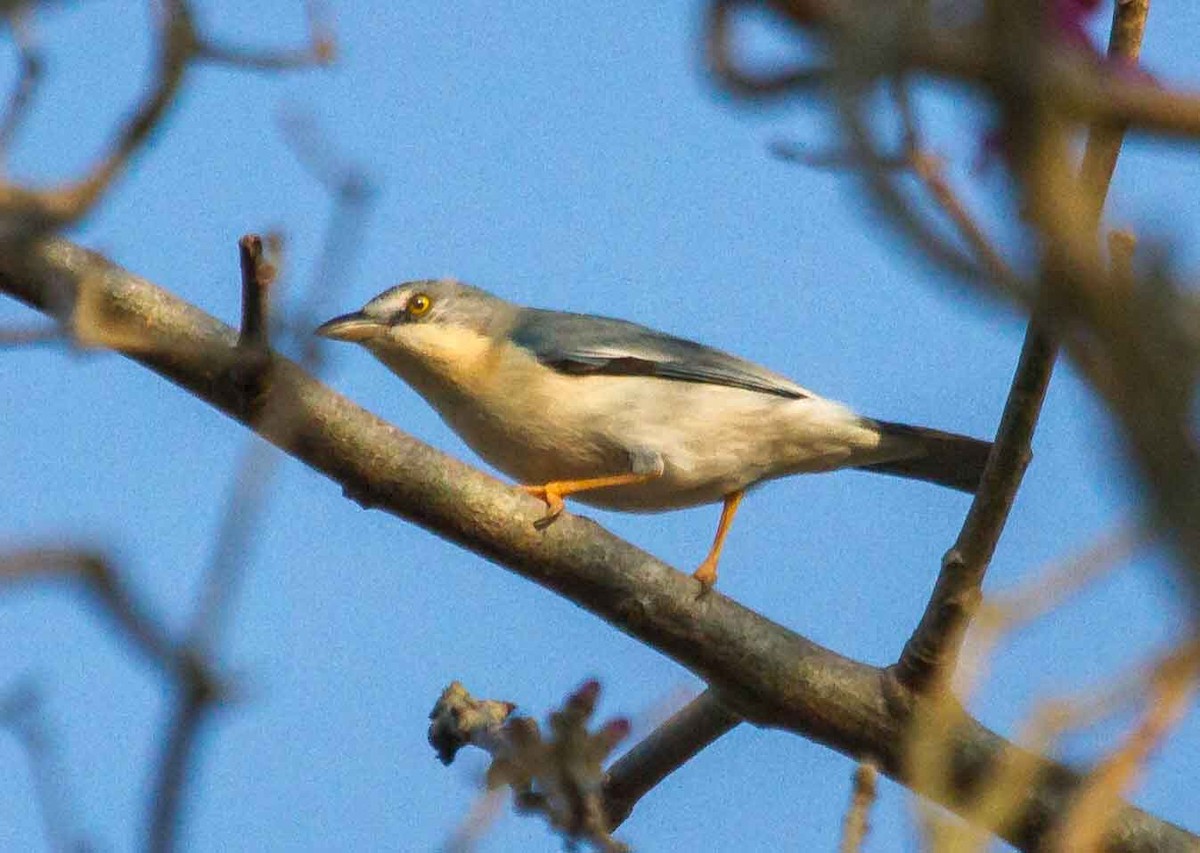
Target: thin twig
(17, 337)
(258, 274)
(741, 81)
(855, 825)
(30, 67)
(319, 51)
(180, 44)
(671, 745)
(1104, 142)
(23, 713)
(930, 654)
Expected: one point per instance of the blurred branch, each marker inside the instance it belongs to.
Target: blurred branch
(29, 75)
(1172, 687)
(320, 50)
(765, 673)
(557, 774)
(678, 740)
(188, 673)
(1071, 80)
(22, 712)
(855, 825)
(743, 81)
(353, 195)
(26, 211)
(18, 337)
(259, 262)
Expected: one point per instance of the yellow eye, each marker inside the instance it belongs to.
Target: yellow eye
(419, 305)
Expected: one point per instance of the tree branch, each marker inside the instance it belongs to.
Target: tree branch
(678, 740)
(932, 651)
(764, 672)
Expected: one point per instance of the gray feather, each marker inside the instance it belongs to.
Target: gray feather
(583, 344)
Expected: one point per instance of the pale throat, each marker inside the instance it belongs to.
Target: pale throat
(442, 360)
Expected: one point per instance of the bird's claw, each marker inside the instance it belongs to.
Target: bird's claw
(707, 576)
(553, 501)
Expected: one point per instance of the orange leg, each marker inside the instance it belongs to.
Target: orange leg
(554, 492)
(707, 573)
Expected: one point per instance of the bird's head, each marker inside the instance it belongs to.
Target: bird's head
(436, 325)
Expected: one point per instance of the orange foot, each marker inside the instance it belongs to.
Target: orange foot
(553, 499)
(707, 575)
(554, 491)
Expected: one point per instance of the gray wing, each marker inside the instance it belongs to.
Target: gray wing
(583, 344)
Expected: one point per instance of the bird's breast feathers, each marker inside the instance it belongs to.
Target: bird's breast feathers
(539, 425)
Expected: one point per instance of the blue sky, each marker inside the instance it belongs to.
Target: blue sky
(569, 159)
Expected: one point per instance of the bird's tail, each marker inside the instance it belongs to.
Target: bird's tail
(944, 458)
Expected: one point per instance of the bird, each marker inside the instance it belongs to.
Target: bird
(619, 416)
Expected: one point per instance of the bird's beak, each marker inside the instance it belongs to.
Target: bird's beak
(349, 327)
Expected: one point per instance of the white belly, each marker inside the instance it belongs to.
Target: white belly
(712, 440)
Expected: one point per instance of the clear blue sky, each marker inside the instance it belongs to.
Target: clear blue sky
(572, 158)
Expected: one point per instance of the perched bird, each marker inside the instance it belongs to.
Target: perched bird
(621, 416)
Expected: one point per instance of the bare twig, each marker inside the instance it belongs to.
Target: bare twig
(258, 274)
(679, 739)
(320, 50)
(27, 211)
(16, 337)
(22, 713)
(188, 673)
(29, 75)
(741, 81)
(931, 652)
(1104, 142)
(855, 825)
(1002, 793)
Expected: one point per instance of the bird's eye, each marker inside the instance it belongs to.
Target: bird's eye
(419, 305)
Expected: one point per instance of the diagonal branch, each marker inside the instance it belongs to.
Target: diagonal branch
(930, 654)
(764, 672)
(678, 740)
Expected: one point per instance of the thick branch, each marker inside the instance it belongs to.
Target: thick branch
(763, 671)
